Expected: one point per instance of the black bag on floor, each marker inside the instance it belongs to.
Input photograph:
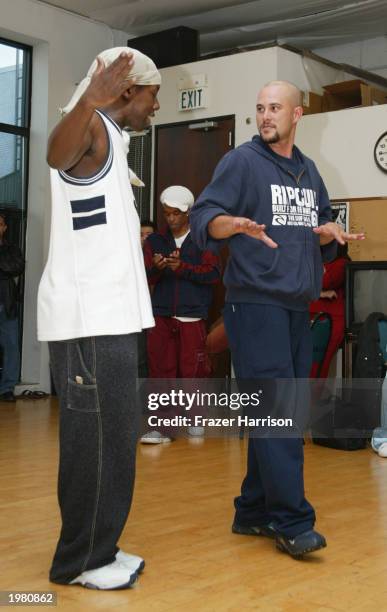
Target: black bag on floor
(330, 426)
(347, 423)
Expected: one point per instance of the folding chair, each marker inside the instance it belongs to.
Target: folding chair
(321, 327)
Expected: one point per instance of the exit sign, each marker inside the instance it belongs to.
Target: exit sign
(195, 97)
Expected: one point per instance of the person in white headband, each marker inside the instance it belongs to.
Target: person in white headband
(93, 301)
(177, 196)
(142, 72)
(182, 279)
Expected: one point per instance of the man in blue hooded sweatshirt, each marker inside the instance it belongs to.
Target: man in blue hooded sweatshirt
(270, 202)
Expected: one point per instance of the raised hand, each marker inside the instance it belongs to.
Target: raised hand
(108, 84)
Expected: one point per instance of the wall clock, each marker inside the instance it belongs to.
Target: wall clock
(380, 152)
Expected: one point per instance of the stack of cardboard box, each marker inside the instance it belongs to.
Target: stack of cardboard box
(347, 94)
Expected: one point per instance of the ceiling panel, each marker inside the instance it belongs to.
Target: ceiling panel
(225, 24)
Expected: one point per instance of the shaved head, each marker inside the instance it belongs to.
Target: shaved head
(279, 108)
(287, 90)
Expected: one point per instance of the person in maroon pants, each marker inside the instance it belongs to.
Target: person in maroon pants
(181, 276)
(332, 301)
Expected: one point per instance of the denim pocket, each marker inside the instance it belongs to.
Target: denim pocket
(81, 376)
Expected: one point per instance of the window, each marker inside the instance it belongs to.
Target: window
(15, 73)
(140, 161)
(15, 69)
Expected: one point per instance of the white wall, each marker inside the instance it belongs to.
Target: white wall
(306, 73)
(64, 45)
(120, 38)
(342, 145)
(370, 54)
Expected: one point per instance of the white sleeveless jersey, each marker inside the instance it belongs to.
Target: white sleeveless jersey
(94, 282)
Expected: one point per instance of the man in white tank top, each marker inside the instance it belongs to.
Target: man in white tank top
(93, 300)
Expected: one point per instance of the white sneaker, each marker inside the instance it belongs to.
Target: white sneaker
(154, 437)
(132, 562)
(110, 577)
(196, 431)
(382, 451)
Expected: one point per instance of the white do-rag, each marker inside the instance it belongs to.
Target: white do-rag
(177, 196)
(143, 70)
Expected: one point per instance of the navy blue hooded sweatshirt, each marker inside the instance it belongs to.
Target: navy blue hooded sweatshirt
(252, 182)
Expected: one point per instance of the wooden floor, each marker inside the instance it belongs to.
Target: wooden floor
(180, 522)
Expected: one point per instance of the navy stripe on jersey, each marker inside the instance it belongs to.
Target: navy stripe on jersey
(90, 180)
(80, 223)
(111, 120)
(87, 205)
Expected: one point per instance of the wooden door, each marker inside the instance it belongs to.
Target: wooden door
(187, 154)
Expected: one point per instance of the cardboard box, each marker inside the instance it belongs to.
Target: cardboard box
(312, 103)
(349, 94)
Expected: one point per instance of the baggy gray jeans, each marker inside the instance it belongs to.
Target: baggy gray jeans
(95, 379)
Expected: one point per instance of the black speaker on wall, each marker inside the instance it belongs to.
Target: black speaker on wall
(169, 48)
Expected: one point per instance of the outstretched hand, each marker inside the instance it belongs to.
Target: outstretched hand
(108, 84)
(332, 231)
(242, 225)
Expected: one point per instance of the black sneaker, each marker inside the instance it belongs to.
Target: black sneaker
(263, 530)
(7, 396)
(306, 542)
